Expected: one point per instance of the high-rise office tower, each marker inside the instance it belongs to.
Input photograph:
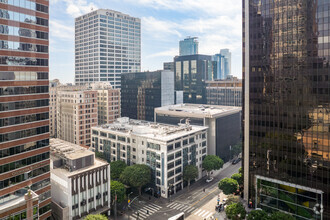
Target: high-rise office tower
(24, 112)
(107, 43)
(287, 106)
(223, 61)
(188, 46)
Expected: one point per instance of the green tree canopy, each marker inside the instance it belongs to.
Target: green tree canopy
(212, 162)
(232, 199)
(258, 215)
(237, 149)
(240, 170)
(228, 186)
(281, 215)
(136, 176)
(116, 168)
(238, 177)
(95, 217)
(190, 172)
(235, 211)
(117, 188)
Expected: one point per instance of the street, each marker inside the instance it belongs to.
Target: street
(196, 204)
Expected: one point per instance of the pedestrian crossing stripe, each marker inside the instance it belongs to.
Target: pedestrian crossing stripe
(209, 215)
(199, 210)
(201, 213)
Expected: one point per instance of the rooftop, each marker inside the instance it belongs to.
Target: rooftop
(198, 111)
(67, 151)
(161, 132)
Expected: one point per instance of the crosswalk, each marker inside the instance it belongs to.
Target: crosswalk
(144, 211)
(191, 210)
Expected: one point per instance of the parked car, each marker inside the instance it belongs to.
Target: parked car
(209, 180)
(236, 160)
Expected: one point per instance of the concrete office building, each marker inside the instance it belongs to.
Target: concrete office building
(24, 110)
(168, 66)
(54, 87)
(286, 76)
(80, 182)
(107, 43)
(223, 122)
(76, 114)
(142, 92)
(167, 149)
(188, 46)
(224, 92)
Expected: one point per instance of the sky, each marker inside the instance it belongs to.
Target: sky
(217, 24)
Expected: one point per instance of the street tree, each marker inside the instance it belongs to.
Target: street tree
(95, 217)
(212, 162)
(136, 176)
(258, 215)
(116, 168)
(117, 189)
(238, 177)
(228, 186)
(235, 211)
(281, 215)
(190, 172)
(232, 199)
(237, 149)
(240, 170)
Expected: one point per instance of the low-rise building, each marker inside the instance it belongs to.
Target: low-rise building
(223, 122)
(80, 182)
(167, 149)
(224, 92)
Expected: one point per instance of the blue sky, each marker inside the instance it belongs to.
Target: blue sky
(217, 23)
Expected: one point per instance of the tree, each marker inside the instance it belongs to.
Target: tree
(238, 177)
(240, 170)
(235, 211)
(136, 176)
(100, 155)
(212, 162)
(281, 215)
(190, 172)
(117, 188)
(258, 215)
(232, 199)
(237, 149)
(95, 217)
(116, 168)
(228, 185)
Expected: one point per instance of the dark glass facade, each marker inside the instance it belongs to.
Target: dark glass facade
(24, 111)
(191, 72)
(286, 71)
(140, 94)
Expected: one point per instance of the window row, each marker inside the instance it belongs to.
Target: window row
(24, 176)
(8, 106)
(4, 91)
(12, 45)
(23, 76)
(22, 32)
(23, 134)
(22, 61)
(31, 5)
(23, 119)
(20, 17)
(24, 162)
(23, 148)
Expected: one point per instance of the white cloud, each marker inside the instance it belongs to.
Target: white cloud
(159, 29)
(61, 31)
(209, 7)
(76, 8)
(167, 53)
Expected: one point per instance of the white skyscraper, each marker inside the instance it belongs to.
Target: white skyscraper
(107, 43)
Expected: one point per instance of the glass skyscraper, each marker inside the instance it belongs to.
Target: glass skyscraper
(188, 46)
(223, 63)
(286, 88)
(24, 112)
(107, 43)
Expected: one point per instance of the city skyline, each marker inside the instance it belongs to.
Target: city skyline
(163, 26)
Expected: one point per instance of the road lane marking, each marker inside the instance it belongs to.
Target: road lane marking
(201, 213)
(199, 210)
(204, 197)
(209, 215)
(170, 205)
(205, 214)
(188, 207)
(191, 209)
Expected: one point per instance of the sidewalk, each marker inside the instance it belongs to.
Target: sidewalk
(197, 183)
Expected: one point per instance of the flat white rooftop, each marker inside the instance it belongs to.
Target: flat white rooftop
(68, 150)
(156, 131)
(198, 111)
